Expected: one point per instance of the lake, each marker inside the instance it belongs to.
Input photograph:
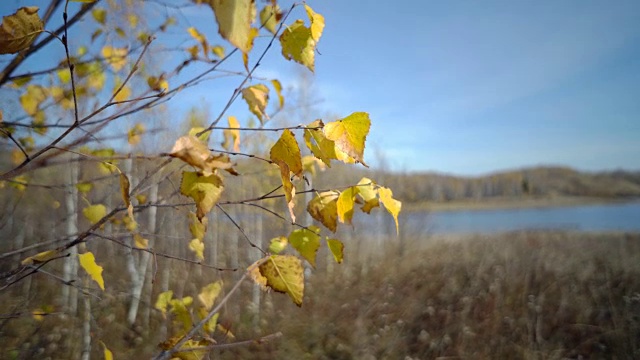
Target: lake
(601, 217)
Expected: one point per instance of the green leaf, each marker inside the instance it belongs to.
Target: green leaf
(392, 205)
(337, 249)
(18, 30)
(285, 274)
(257, 97)
(286, 149)
(234, 20)
(163, 301)
(350, 134)
(204, 190)
(88, 263)
(345, 204)
(324, 208)
(278, 244)
(307, 242)
(94, 213)
(209, 293)
(298, 44)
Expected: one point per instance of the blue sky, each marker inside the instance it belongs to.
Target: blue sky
(471, 87)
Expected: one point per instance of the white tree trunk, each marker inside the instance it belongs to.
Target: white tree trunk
(70, 268)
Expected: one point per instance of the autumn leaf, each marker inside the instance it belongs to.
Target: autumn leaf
(18, 30)
(269, 17)
(350, 134)
(99, 15)
(32, 98)
(84, 187)
(218, 51)
(204, 190)
(163, 301)
(324, 208)
(298, 44)
(317, 23)
(307, 242)
(159, 84)
(254, 274)
(88, 263)
(133, 135)
(285, 274)
(140, 242)
(392, 205)
(195, 153)
(232, 134)
(197, 247)
(337, 249)
(234, 20)
(287, 187)
(253, 33)
(105, 167)
(309, 163)
(321, 147)
(286, 149)
(257, 97)
(116, 57)
(201, 39)
(179, 309)
(197, 227)
(40, 257)
(278, 87)
(108, 355)
(277, 245)
(345, 203)
(209, 293)
(94, 213)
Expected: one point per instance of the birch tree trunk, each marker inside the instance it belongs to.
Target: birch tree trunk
(70, 268)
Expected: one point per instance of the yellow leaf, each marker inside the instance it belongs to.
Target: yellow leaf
(317, 23)
(64, 75)
(179, 308)
(123, 95)
(158, 83)
(337, 249)
(203, 138)
(234, 20)
(124, 191)
(94, 213)
(368, 193)
(134, 134)
(195, 153)
(17, 156)
(270, 16)
(287, 187)
(201, 39)
(278, 244)
(38, 314)
(226, 331)
(32, 98)
(18, 30)
(197, 227)
(108, 355)
(392, 205)
(324, 208)
(321, 147)
(209, 294)
(218, 51)
(307, 242)
(140, 242)
(88, 263)
(105, 167)
(19, 182)
(278, 87)
(298, 44)
(256, 276)
(133, 21)
(187, 354)
(253, 33)
(197, 247)
(40, 257)
(232, 134)
(100, 15)
(285, 274)
(163, 301)
(204, 190)
(84, 187)
(350, 134)
(309, 163)
(257, 97)
(345, 204)
(209, 326)
(116, 57)
(141, 198)
(286, 149)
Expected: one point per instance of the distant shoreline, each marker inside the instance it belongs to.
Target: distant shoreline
(514, 203)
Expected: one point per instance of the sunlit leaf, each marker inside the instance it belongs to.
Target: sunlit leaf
(99, 15)
(197, 227)
(307, 242)
(210, 325)
(186, 354)
(209, 293)
(321, 147)
(88, 263)
(218, 51)
(278, 87)
(345, 204)
(278, 244)
(40, 257)
(257, 97)
(18, 30)
(232, 136)
(158, 83)
(201, 39)
(105, 167)
(108, 355)
(392, 205)
(195, 153)
(256, 275)
(116, 57)
(350, 134)
(368, 193)
(133, 135)
(298, 44)
(32, 98)
(286, 149)
(285, 274)
(94, 213)
(253, 33)
(337, 249)
(204, 190)
(84, 187)
(269, 17)
(140, 242)
(324, 208)
(179, 309)
(317, 23)
(197, 247)
(163, 301)
(197, 129)
(234, 20)
(287, 187)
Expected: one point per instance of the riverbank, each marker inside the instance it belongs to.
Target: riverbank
(522, 202)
